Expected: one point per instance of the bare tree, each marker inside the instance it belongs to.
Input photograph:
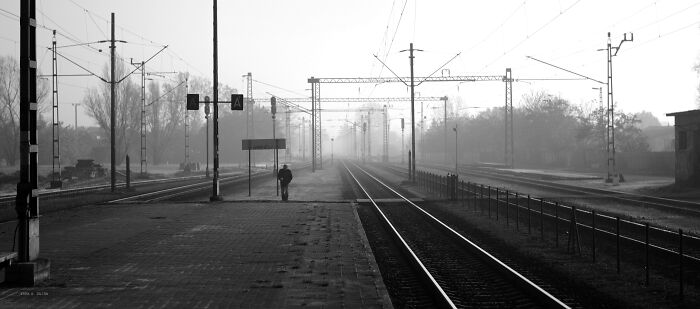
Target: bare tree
(9, 107)
(166, 116)
(127, 99)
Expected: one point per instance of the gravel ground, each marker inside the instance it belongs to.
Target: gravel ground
(612, 290)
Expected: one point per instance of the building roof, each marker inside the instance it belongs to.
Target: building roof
(693, 112)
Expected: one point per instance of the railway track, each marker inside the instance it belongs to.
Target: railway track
(661, 203)
(152, 190)
(641, 243)
(457, 271)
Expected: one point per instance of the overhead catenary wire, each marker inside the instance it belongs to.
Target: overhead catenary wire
(530, 35)
(280, 88)
(182, 83)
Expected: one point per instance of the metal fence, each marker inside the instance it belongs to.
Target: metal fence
(583, 231)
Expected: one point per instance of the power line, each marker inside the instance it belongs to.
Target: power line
(532, 34)
(667, 17)
(487, 37)
(398, 24)
(660, 36)
(280, 88)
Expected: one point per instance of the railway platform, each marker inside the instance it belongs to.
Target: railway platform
(243, 252)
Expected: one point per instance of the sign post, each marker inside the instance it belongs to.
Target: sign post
(273, 110)
(261, 144)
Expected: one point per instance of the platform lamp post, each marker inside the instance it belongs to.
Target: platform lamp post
(402, 144)
(273, 111)
(456, 152)
(206, 116)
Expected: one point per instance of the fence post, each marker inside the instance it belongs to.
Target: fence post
(556, 224)
(617, 240)
(489, 204)
(128, 173)
(474, 193)
(497, 202)
(466, 197)
(481, 200)
(542, 219)
(593, 234)
(680, 261)
(517, 213)
(529, 223)
(646, 253)
(507, 207)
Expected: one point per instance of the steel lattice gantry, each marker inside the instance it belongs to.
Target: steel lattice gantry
(509, 140)
(507, 79)
(249, 104)
(291, 103)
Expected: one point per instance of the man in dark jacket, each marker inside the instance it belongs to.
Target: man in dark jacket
(285, 177)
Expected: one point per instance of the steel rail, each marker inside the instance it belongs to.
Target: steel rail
(443, 296)
(521, 280)
(191, 187)
(627, 238)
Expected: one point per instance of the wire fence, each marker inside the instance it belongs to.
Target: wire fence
(580, 231)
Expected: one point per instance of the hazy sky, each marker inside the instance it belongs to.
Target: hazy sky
(283, 42)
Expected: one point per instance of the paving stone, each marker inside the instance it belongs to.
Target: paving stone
(199, 255)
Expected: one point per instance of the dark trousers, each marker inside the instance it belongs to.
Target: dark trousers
(285, 191)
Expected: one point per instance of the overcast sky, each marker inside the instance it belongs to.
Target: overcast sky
(283, 42)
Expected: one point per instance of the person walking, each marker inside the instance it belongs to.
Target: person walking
(285, 177)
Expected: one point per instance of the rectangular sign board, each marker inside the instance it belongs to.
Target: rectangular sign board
(265, 143)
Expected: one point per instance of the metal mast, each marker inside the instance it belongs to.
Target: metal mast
(113, 115)
(610, 126)
(509, 140)
(316, 154)
(187, 128)
(249, 112)
(144, 162)
(27, 206)
(385, 155)
(287, 132)
(55, 127)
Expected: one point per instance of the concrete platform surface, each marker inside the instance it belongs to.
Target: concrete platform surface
(322, 185)
(201, 255)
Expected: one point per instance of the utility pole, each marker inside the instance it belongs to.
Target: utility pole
(75, 107)
(610, 127)
(216, 195)
(332, 140)
(303, 139)
(369, 136)
(56, 124)
(412, 172)
(187, 129)
(113, 112)
(206, 116)
(27, 201)
(250, 111)
(402, 144)
(444, 124)
(273, 111)
(509, 138)
(29, 269)
(456, 153)
(385, 157)
(364, 139)
(287, 133)
(422, 126)
(143, 154)
(143, 127)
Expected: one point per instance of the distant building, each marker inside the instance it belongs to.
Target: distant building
(660, 138)
(687, 146)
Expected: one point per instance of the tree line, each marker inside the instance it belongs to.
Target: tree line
(164, 117)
